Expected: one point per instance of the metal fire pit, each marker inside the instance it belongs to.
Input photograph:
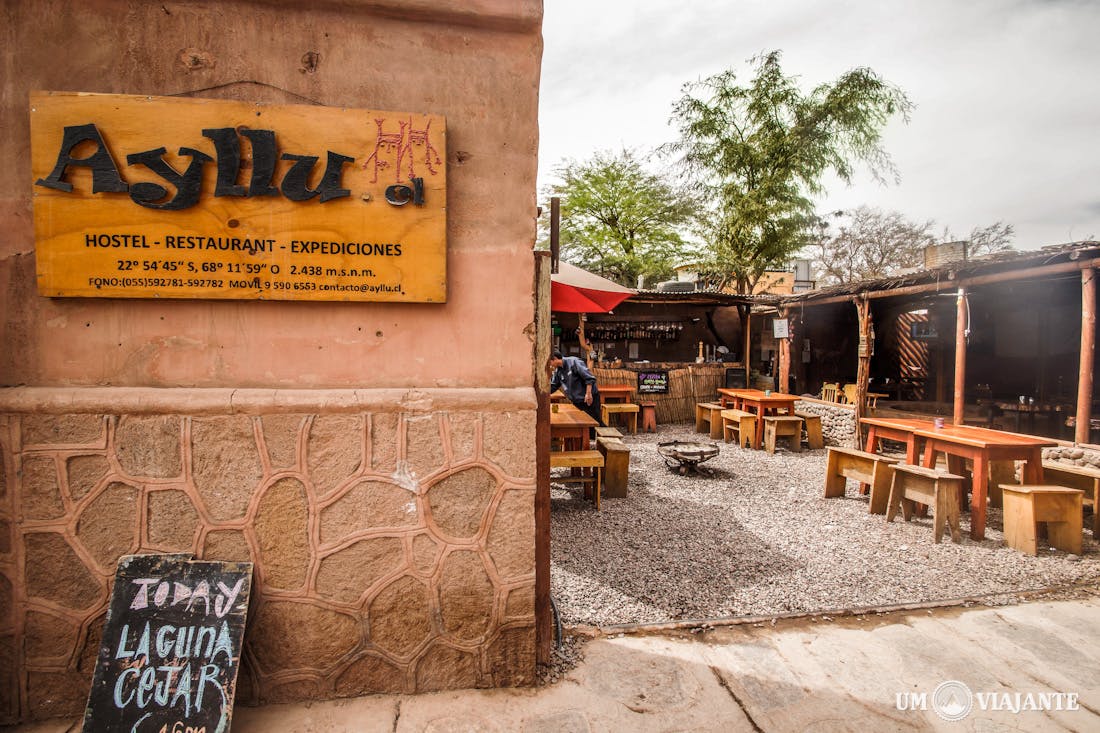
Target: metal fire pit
(686, 455)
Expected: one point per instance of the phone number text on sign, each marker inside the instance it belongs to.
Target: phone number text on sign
(236, 211)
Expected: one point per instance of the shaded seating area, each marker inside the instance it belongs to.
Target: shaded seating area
(1003, 342)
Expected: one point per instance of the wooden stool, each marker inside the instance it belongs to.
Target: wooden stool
(602, 432)
(783, 426)
(814, 438)
(708, 418)
(628, 409)
(616, 457)
(867, 468)
(581, 459)
(741, 423)
(1078, 477)
(649, 416)
(917, 485)
(1058, 506)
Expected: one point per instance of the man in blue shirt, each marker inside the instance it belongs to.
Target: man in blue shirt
(572, 376)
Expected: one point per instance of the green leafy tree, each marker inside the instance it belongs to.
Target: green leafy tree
(761, 151)
(620, 220)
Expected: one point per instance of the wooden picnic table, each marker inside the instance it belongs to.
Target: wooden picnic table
(901, 429)
(571, 426)
(612, 393)
(960, 443)
(756, 402)
(982, 446)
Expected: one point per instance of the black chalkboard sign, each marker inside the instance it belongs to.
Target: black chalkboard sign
(654, 381)
(171, 646)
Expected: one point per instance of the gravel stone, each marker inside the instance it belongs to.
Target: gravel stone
(754, 536)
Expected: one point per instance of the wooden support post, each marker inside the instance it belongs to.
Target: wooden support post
(555, 232)
(1088, 346)
(747, 323)
(581, 318)
(863, 372)
(784, 355)
(544, 619)
(961, 327)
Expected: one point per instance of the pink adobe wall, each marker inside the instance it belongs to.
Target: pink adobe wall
(477, 63)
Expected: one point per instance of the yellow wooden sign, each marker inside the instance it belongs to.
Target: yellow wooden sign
(158, 197)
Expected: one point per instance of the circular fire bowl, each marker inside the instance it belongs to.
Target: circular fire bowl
(686, 455)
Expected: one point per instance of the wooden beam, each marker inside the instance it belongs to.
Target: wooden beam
(784, 355)
(1088, 346)
(863, 371)
(555, 232)
(961, 327)
(544, 615)
(747, 322)
(585, 348)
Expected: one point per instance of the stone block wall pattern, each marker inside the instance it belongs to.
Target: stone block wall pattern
(393, 537)
(838, 422)
(376, 461)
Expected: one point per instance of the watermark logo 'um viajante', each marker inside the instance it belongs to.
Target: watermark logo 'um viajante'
(953, 700)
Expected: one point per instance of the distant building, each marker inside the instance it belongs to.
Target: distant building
(795, 279)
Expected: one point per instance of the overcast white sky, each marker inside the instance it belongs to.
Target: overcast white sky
(1007, 94)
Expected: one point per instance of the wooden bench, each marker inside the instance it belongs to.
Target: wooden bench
(866, 468)
(814, 437)
(912, 485)
(581, 459)
(1078, 477)
(782, 426)
(616, 468)
(741, 423)
(604, 432)
(708, 419)
(628, 410)
(1059, 507)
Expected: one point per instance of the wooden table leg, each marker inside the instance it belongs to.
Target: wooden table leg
(1033, 467)
(871, 446)
(978, 496)
(957, 466)
(871, 440)
(929, 460)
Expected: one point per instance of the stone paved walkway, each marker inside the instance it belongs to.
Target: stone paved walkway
(850, 674)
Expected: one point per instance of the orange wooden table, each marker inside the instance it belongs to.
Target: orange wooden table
(982, 446)
(571, 426)
(612, 393)
(900, 429)
(756, 402)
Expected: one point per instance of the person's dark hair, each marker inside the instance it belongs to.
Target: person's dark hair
(556, 355)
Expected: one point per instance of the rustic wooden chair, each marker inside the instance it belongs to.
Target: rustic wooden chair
(830, 392)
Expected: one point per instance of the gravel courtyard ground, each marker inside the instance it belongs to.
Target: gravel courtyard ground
(755, 537)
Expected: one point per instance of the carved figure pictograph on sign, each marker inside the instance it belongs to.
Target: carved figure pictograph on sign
(162, 197)
(171, 646)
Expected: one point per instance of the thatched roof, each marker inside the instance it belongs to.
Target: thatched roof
(952, 274)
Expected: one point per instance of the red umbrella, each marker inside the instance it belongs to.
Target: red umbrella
(573, 290)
